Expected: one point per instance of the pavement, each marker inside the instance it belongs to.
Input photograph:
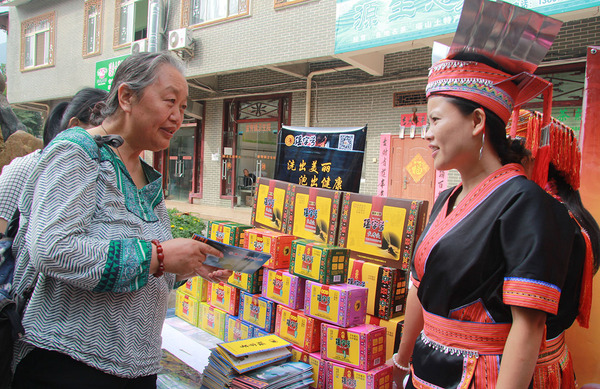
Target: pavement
(208, 212)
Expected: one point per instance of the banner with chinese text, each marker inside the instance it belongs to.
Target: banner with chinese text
(330, 158)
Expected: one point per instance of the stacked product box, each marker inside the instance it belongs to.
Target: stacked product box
(298, 328)
(187, 307)
(284, 288)
(319, 262)
(195, 287)
(343, 305)
(317, 363)
(387, 287)
(340, 376)
(269, 210)
(227, 232)
(212, 320)
(236, 329)
(224, 297)
(258, 311)
(361, 347)
(251, 283)
(314, 213)
(393, 328)
(381, 230)
(278, 244)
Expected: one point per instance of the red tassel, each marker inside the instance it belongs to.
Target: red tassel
(585, 297)
(540, 166)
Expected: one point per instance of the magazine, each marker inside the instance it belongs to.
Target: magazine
(287, 374)
(234, 258)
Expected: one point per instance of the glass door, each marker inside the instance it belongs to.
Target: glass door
(181, 163)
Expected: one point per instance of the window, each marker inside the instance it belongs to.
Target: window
(283, 3)
(131, 21)
(37, 41)
(206, 11)
(92, 27)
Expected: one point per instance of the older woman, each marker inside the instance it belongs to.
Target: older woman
(491, 263)
(94, 226)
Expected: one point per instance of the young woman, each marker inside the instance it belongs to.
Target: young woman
(94, 226)
(490, 265)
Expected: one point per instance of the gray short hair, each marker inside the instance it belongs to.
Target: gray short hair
(137, 72)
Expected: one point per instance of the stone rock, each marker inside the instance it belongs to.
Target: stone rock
(18, 144)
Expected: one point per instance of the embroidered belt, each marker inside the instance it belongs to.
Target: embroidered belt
(555, 351)
(464, 336)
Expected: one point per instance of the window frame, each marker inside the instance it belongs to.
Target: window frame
(50, 18)
(99, 5)
(186, 9)
(117, 25)
(278, 4)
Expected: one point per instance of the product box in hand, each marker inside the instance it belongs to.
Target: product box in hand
(362, 347)
(278, 244)
(284, 288)
(317, 363)
(393, 331)
(319, 262)
(236, 329)
(382, 230)
(297, 328)
(224, 296)
(340, 376)
(212, 320)
(343, 305)
(187, 307)
(227, 232)
(258, 311)
(314, 213)
(387, 287)
(269, 210)
(251, 283)
(195, 287)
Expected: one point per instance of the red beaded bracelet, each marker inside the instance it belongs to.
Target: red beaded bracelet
(161, 258)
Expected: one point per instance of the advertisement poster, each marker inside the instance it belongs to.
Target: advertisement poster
(105, 72)
(329, 158)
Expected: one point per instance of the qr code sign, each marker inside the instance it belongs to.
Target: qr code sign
(346, 142)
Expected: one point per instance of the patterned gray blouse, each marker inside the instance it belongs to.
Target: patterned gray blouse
(86, 228)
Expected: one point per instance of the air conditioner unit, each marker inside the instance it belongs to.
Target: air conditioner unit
(139, 46)
(180, 39)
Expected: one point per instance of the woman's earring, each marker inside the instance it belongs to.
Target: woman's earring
(482, 142)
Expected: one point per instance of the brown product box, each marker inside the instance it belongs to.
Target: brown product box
(340, 376)
(278, 244)
(251, 283)
(187, 307)
(361, 347)
(269, 210)
(319, 262)
(297, 328)
(382, 230)
(387, 287)
(393, 332)
(314, 213)
(224, 296)
(195, 287)
(227, 232)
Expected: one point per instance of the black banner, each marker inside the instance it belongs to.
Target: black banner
(328, 158)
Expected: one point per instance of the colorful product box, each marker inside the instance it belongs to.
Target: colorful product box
(269, 210)
(393, 328)
(187, 307)
(227, 232)
(251, 283)
(362, 347)
(278, 244)
(314, 213)
(317, 363)
(284, 288)
(236, 329)
(224, 296)
(319, 262)
(387, 287)
(212, 320)
(297, 328)
(343, 305)
(195, 287)
(382, 230)
(340, 376)
(258, 311)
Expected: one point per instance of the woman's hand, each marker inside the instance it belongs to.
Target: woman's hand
(398, 375)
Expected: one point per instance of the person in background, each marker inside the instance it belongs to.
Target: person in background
(249, 178)
(95, 232)
(64, 115)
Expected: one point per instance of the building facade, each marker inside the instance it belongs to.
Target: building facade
(254, 65)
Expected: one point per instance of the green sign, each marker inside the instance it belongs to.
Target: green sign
(362, 24)
(105, 71)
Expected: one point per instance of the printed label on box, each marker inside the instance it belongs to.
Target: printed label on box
(310, 263)
(328, 302)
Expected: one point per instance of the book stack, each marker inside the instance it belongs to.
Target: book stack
(289, 375)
